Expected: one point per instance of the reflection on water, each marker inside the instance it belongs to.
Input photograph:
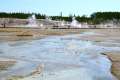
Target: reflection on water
(65, 57)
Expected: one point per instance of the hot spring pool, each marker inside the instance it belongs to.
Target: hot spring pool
(63, 57)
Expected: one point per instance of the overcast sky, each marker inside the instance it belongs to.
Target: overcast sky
(54, 7)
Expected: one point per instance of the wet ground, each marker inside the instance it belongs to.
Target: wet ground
(61, 58)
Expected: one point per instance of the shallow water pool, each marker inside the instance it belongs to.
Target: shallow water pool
(63, 57)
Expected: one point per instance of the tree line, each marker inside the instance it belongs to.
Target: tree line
(95, 18)
(20, 15)
(99, 17)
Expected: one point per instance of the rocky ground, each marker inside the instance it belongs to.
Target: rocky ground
(115, 58)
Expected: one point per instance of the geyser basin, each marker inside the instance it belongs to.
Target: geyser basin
(65, 57)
